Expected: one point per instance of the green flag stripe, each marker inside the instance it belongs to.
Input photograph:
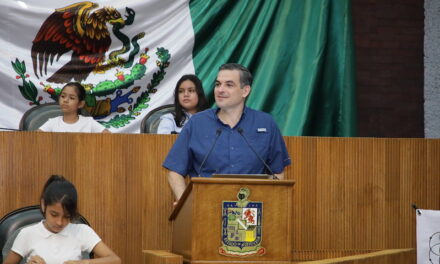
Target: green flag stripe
(300, 53)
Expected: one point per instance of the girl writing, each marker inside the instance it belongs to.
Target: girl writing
(55, 239)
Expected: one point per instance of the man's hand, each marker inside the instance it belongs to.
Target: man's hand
(280, 175)
(177, 184)
(36, 260)
(86, 261)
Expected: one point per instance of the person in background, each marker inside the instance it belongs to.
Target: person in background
(229, 139)
(189, 98)
(71, 101)
(55, 240)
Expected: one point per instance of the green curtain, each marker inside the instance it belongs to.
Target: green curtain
(300, 52)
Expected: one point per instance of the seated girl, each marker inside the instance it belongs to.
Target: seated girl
(189, 98)
(71, 100)
(55, 240)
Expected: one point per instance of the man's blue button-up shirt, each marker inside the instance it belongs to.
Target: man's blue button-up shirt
(230, 153)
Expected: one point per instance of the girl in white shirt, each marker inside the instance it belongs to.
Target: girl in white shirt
(71, 100)
(189, 98)
(55, 240)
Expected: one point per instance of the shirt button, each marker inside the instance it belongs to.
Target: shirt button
(232, 166)
(232, 148)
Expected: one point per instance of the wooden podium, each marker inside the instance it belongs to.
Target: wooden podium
(198, 234)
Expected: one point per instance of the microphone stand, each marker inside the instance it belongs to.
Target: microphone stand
(240, 130)
(218, 132)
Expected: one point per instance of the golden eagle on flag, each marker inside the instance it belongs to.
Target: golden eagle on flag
(75, 42)
(74, 28)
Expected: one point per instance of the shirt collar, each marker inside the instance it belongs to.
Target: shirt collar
(187, 114)
(46, 233)
(243, 115)
(245, 110)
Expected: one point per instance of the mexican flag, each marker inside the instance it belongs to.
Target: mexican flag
(300, 53)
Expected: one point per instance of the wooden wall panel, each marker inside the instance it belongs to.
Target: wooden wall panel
(123, 190)
(433, 170)
(356, 193)
(350, 193)
(390, 256)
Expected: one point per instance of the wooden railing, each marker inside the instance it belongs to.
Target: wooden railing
(386, 256)
(350, 193)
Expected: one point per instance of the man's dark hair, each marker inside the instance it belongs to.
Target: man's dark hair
(245, 74)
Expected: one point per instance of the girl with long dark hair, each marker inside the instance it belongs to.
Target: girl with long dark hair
(189, 98)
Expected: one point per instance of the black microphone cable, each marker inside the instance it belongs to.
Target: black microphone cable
(240, 130)
(218, 132)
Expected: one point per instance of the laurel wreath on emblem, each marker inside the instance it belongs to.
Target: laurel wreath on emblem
(242, 227)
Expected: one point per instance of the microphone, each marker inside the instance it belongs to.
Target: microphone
(218, 132)
(240, 130)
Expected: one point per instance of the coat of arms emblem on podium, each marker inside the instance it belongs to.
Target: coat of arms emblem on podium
(242, 227)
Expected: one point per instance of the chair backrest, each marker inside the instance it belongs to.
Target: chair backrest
(35, 117)
(151, 121)
(11, 224)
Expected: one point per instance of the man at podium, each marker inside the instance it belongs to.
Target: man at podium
(229, 139)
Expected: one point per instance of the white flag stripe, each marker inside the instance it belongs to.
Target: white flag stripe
(166, 24)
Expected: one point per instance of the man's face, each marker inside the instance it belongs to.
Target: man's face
(228, 93)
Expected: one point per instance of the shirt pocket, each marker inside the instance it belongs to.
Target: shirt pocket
(260, 142)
